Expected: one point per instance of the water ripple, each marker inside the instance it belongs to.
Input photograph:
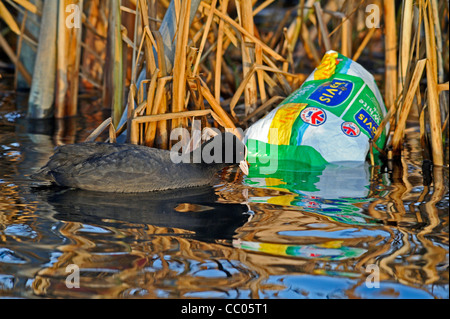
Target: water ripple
(9, 256)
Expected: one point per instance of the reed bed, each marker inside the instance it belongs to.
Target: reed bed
(164, 64)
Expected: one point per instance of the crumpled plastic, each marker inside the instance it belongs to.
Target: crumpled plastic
(331, 118)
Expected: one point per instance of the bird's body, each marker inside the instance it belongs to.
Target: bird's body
(124, 168)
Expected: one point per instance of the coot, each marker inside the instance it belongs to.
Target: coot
(127, 168)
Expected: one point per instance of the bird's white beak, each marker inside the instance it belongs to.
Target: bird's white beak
(243, 165)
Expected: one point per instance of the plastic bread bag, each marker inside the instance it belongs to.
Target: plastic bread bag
(331, 118)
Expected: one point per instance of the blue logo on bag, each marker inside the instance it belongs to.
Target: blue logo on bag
(366, 122)
(332, 93)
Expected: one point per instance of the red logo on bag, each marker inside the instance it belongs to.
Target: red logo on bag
(312, 204)
(313, 115)
(350, 129)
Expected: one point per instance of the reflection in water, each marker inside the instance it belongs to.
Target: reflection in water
(203, 218)
(288, 235)
(334, 191)
(140, 244)
(301, 220)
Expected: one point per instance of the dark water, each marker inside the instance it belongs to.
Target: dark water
(325, 234)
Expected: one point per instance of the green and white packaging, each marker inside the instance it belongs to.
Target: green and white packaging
(331, 118)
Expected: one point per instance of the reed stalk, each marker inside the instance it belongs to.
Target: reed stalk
(346, 33)
(99, 130)
(390, 85)
(113, 75)
(310, 49)
(170, 116)
(148, 49)
(169, 30)
(68, 63)
(204, 37)
(444, 99)
(157, 104)
(435, 117)
(41, 98)
(27, 43)
(221, 113)
(405, 42)
(407, 103)
(260, 73)
(245, 12)
(363, 44)
(179, 71)
(432, 89)
(219, 50)
(322, 26)
(19, 48)
(12, 56)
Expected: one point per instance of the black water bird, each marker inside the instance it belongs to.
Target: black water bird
(127, 168)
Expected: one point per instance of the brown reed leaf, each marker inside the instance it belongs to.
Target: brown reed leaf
(221, 113)
(407, 102)
(219, 53)
(179, 70)
(322, 26)
(99, 130)
(245, 14)
(390, 53)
